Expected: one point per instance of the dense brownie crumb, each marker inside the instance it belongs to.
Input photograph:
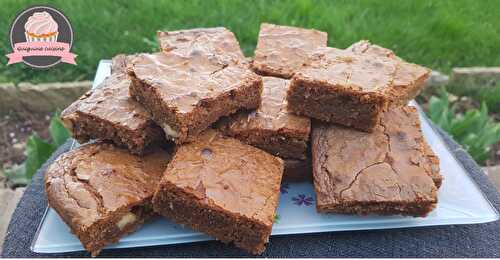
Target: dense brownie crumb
(384, 172)
(103, 192)
(282, 50)
(186, 94)
(352, 88)
(108, 113)
(297, 170)
(224, 188)
(271, 127)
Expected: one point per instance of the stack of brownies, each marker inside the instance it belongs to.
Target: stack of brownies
(203, 136)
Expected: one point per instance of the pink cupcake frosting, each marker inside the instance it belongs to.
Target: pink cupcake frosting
(41, 23)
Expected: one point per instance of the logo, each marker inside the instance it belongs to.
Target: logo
(41, 37)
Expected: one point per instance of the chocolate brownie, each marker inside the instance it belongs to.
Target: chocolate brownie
(432, 165)
(297, 170)
(409, 79)
(108, 113)
(120, 62)
(351, 88)
(103, 192)
(281, 50)
(217, 41)
(383, 172)
(224, 188)
(271, 127)
(186, 94)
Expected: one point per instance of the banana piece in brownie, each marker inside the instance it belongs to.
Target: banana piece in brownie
(108, 113)
(271, 127)
(103, 192)
(353, 87)
(282, 50)
(217, 41)
(224, 188)
(384, 172)
(186, 94)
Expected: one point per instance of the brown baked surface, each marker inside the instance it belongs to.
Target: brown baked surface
(185, 94)
(103, 192)
(384, 172)
(408, 79)
(271, 127)
(297, 170)
(214, 41)
(120, 62)
(108, 113)
(352, 88)
(224, 188)
(282, 50)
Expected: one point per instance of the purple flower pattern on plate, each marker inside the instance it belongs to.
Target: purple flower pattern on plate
(302, 199)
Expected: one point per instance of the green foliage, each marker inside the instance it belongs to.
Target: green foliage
(37, 152)
(440, 34)
(474, 130)
(487, 94)
(58, 133)
(277, 218)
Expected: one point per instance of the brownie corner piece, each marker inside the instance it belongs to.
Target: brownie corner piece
(224, 188)
(409, 79)
(216, 41)
(108, 113)
(186, 94)
(102, 192)
(384, 172)
(271, 127)
(282, 50)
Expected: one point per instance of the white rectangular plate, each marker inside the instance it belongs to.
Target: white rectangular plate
(460, 202)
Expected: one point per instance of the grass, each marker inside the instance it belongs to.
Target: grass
(439, 34)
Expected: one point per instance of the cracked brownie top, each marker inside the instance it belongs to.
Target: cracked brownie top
(281, 50)
(217, 41)
(94, 181)
(184, 82)
(120, 62)
(226, 174)
(110, 101)
(272, 114)
(365, 68)
(408, 78)
(388, 165)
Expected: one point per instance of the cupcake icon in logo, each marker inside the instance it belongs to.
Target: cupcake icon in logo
(41, 27)
(41, 37)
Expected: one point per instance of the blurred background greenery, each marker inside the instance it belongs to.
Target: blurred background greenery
(440, 34)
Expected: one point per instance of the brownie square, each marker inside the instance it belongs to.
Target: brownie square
(409, 78)
(224, 188)
(383, 172)
(271, 127)
(217, 41)
(351, 88)
(186, 94)
(108, 113)
(102, 192)
(282, 50)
